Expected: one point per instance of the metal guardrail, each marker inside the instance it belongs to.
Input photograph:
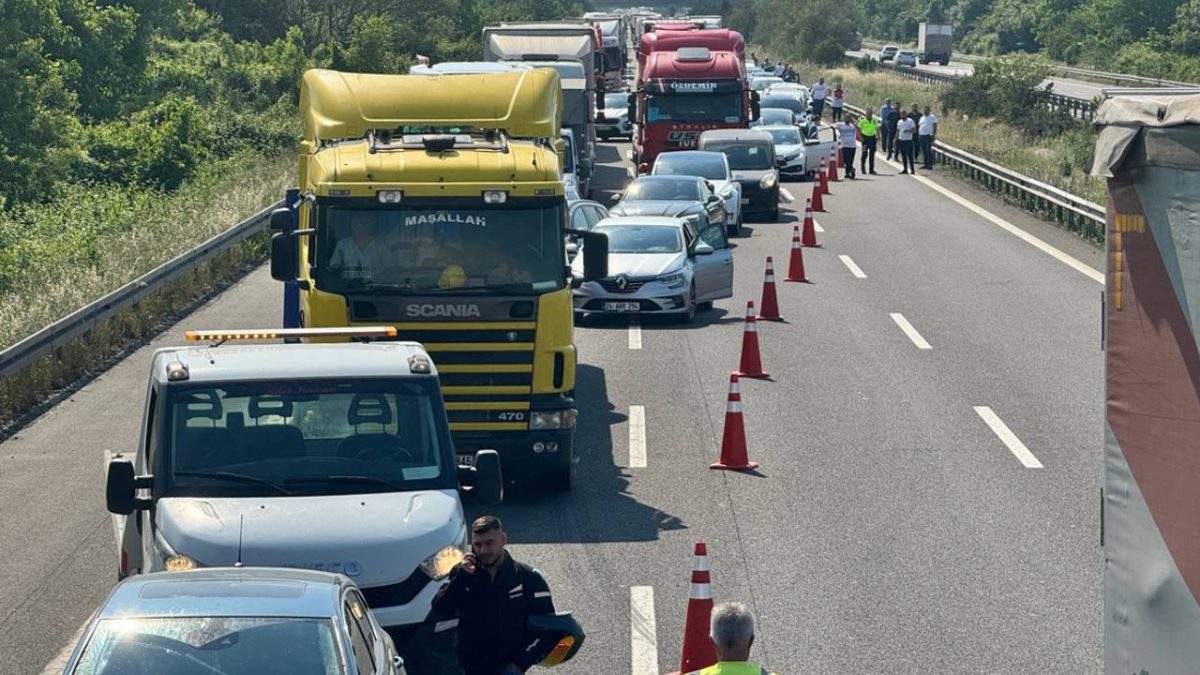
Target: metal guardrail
(75, 324)
(1076, 214)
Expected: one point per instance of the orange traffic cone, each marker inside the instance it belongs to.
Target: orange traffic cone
(833, 166)
(823, 179)
(770, 303)
(733, 440)
(817, 203)
(751, 364)
(796, 264)
(809, 233)
(698, 650)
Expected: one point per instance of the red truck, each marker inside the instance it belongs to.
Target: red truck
(688, 81)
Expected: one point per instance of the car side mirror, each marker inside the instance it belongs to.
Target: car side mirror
(285, 257)
(703, 249)
(714, 199)
(122, 484)
(595, 256)
(486, 482)
(281, 220)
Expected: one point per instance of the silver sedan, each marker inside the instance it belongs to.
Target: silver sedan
(657, 265)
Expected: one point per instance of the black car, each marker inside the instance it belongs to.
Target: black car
(752, 158)
(687, 197)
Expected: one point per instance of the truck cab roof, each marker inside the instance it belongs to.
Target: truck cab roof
(244, 362)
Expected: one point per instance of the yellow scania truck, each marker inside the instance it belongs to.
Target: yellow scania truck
(435, 204)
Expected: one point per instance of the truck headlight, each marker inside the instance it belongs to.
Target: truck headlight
(552, 419)
(179, 563)
(767, 182)
(672, 280)
(439, 565)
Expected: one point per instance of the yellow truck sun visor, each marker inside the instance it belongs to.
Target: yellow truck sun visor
(345, 106)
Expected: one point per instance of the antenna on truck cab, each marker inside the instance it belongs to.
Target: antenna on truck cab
(241, 529)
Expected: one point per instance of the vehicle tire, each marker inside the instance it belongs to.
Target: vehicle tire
(561, 479)
(773, 216)
(690, 315)
(704, 306)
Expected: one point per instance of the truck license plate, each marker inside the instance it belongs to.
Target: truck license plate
(622, 306)
(466, 460)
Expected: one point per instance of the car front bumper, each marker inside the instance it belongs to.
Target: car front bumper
(651, 297)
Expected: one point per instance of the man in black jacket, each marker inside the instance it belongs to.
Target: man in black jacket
(494, 596)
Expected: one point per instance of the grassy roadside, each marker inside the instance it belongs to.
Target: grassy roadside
(1059, 161)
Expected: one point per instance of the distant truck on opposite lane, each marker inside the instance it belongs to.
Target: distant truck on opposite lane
(934, 42)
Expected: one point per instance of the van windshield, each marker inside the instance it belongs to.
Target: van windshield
(306, 437)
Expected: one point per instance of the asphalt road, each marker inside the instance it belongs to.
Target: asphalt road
(1067, 87)
(890, 528)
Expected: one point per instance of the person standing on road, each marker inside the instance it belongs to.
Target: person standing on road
(493, 597)
(819, 91)
(926, 135)
(868, 128)
(884, 111)
(731, 630)
(848, 133)
(891, 122)
(906, 130)
(837, 100)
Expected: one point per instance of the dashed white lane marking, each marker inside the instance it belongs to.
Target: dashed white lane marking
(1010, 439)
(787, 196)
(817, 227)
(643, 631)
(635, 332)
(637, 437)
(910, 331)
(1053, 251)
(853, 267)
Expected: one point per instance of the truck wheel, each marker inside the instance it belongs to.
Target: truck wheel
(562, 479)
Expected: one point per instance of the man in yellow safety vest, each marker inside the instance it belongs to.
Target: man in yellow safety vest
(732, 633)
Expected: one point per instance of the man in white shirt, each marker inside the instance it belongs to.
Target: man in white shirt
(926, 135)
(359, 255)
(819, 91)
(848, 134)
(906, 129)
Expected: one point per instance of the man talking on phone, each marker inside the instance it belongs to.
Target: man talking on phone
(494, 596)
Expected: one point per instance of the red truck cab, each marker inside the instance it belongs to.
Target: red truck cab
(687, 86)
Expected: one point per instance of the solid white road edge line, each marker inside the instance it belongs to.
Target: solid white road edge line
(1053, 251)
(643, 632)
(910, 331)
(635, 332)
(1010, 439)
(852, 266)
(637, 437)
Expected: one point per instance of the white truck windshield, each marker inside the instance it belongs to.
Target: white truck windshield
(269, 438)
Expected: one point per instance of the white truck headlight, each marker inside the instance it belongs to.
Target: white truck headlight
(767, 182)
(552, 419)
(672, 280)
(439, 565)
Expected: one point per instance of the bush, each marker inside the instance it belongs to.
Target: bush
(1007, 88)
(865, 64)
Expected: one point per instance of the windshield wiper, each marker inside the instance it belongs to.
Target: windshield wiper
(349, 479)
(236, 477)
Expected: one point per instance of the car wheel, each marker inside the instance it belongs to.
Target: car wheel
(774, 215)
(704, 306)
(689, 315)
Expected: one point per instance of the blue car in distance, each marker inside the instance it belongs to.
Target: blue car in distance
(235, 621)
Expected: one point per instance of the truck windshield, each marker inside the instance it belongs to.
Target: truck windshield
(422, 247)
(695, 108)
(612, 59)
(206, 645)
(307, 437)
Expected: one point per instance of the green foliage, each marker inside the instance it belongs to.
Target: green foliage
(818, 31)
(1006, 88)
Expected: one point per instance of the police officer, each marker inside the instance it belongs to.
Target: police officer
(732, 634)
(494, 596)
(868, 128)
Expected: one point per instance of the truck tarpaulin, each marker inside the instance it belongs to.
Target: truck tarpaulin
(1149, 150)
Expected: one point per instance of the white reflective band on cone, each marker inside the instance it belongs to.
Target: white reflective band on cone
(734, 407)
(700, 563)
(770, 278)
(751, 327)
(735, 388)
(700, 592)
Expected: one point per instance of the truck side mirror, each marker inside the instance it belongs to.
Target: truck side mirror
(487, 485)
(121, 488)
(285, 256)
(595, 256)
(281, 220)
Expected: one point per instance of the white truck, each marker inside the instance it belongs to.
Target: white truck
(934, 42)
(334, 457)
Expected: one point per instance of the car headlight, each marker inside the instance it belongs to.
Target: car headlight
(552, 419)
(768, 181)
(792, 158)
(672, 280)
(439, 565)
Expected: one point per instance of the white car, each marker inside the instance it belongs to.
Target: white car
(796, 91)
(713, 166)
(906, 57)
(770, 117)
(888, 53)
(761, 83)
(570, 168)
(613, 118)
(657, 265)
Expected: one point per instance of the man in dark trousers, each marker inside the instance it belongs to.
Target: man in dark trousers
(494, 596)
(890, 121)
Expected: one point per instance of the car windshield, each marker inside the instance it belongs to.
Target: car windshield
(744, 156)
(775, 116)
(784, 136)
(210, 645)
(616, 100)
(642, 238)
(663, 190)
(694, 108)
(706, 165)
(785, 102)
(435, 246)
(306, 437)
